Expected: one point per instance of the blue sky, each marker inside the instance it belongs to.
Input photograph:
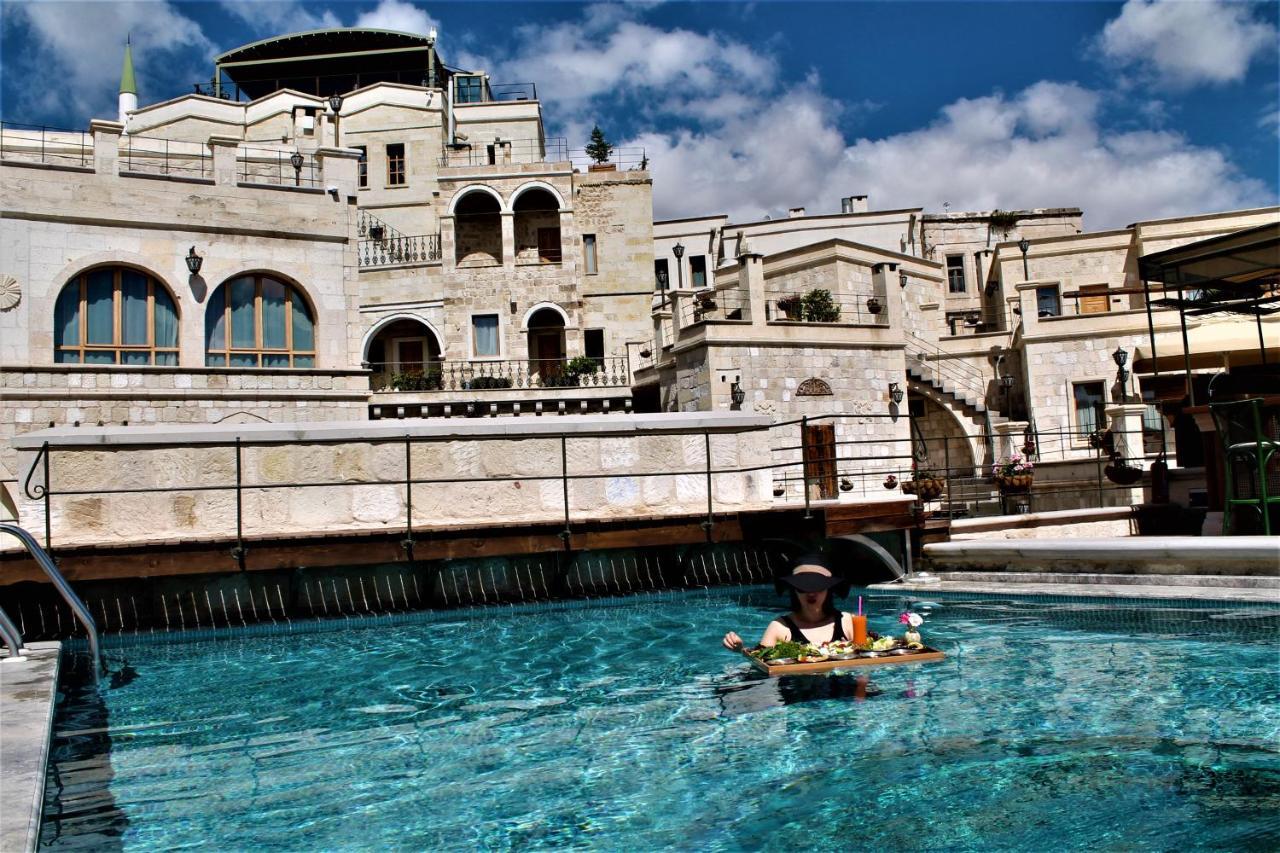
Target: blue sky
(1131, 110)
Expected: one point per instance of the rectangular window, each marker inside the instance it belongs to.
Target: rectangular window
(395, 164)
(955, 274)
(589, 253)
(661, 277)
(1094, 299)
(1048, 302)
(484, 334)
(469, 89)
(549, 245)
(698, 271)
(593, 344)
(362, 167)
(1090, 403)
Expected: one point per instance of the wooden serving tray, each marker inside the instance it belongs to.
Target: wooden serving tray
(922, 656)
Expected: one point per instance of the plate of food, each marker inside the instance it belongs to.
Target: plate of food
(785, 652)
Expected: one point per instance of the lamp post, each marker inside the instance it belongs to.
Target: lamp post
(1120, 357)
(678, 251)
(1023, 245)
(295, 160)
(335, 104)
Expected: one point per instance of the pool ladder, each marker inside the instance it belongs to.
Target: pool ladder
(9, 632)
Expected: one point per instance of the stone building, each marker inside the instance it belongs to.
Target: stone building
(336, 227)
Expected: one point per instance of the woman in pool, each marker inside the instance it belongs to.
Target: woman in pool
(813, 617)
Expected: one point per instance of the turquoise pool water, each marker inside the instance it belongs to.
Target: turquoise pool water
(623, 725)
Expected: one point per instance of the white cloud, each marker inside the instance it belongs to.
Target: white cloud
(278, 17)
(1181, 44)
(74, 56)
(397, 15)
(741, 143)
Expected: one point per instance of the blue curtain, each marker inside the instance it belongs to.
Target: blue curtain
(101, 308)
(486, 334)
(274, 305)
(242, 319)
(304, 333)
(215, 328)
(66, 322)
(133, 309)
(166, 319)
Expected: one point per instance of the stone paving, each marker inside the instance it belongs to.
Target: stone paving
(27, 693)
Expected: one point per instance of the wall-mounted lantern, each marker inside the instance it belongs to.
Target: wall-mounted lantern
(295, 160)
(194, 261)
(736, 393)
(895, 393)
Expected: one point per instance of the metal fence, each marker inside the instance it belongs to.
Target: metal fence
(277, 167)
(715, 305)
(400, 249)
(156, 156)
(620, 159)
(859, 309)
(580, 372)
(37, 143)
(553, 149)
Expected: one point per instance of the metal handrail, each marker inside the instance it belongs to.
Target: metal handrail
(42, 558)
(12, 637)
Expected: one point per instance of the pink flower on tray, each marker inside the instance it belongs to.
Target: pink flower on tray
(915, 620)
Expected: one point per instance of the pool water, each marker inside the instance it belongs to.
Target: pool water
(623, 725)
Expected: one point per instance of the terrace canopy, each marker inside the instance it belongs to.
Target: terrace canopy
(325, 62)
(1236, 277)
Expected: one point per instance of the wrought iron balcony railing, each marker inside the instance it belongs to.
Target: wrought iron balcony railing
(401, 249)
(442, 376)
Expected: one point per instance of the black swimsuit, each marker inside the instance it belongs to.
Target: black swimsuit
(797, 636)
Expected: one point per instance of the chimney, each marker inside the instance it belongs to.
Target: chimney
(853, 204)
(795, 212)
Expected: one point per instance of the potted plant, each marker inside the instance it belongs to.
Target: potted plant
(487, 383)
(846, 485)
(819, 307)
(779, 491)
(890, 482)
(874, 306)
(792, 307)
(923, 483)
(1014, 475)
(576, 368)
(599, 149)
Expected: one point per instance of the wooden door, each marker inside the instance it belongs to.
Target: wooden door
(410, 354)
(820, 459)
(1097, 302)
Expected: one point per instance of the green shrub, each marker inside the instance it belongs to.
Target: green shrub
(487, 383)
(819, 307)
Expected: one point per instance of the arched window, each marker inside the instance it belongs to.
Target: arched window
(477, 230)
(115, 315)
(259, 321)
(537, 227)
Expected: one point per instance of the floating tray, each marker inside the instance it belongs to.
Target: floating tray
(924, 655)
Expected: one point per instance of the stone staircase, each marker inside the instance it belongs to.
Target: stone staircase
(956, 389)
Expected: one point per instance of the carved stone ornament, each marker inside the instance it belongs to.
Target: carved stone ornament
(10, 293)
(813, 387)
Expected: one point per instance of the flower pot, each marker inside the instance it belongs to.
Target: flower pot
(908, 487)
(846, 485)
(602, 167)
(929, 488)
(779, 491)
(912, 636)
(874, 306)
(1123, 474)
(1015, 484)
(890, 482)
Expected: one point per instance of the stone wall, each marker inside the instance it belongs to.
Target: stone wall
(515, 465)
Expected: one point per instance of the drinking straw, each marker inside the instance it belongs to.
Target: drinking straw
(859, 605)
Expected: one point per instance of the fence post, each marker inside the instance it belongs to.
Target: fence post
(946, 476)
(238, 552)
(564, 481)
(48, 503)
(804, 464)
(407, 543)
(710, 522)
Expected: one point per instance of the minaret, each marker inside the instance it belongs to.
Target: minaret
(128, 87)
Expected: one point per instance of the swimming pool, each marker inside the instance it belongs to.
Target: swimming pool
(621, 724)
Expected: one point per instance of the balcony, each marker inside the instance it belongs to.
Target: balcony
(440, 376)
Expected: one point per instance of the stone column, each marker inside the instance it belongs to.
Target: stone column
(1009, 438)
(223, 149)
(106, 146)
(508, 239)
(1125, 420)
(882, 275)
(660, 315)
(448, 256)
(677, 299)
(751, 283)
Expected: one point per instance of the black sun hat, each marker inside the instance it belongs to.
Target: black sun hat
(812, 573)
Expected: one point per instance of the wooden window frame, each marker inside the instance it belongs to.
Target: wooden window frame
(1091, 295)
(362, 167)
(118, 347)
(258, 350)
(1076, 427)
(962, 277)
(397, 166)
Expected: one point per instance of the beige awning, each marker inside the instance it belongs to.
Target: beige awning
(1214, 342)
